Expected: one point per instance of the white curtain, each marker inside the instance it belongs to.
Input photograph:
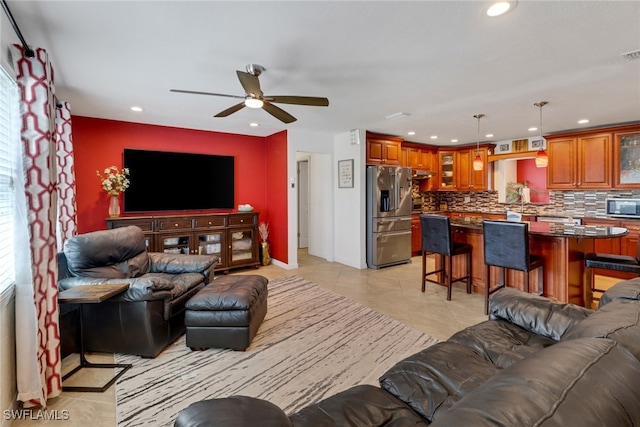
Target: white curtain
(37, 329)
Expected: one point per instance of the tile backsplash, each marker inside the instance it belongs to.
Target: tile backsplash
(579, 204)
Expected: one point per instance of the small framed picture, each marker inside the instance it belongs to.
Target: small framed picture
(537, 143)
(503, 147)
(345, 173)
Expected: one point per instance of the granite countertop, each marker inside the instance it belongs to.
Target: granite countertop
(543, 215)
(553, 229)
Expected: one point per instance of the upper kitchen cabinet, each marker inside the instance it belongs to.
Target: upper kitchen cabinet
(383, 150)
(456, 170)
(469, 179)
(447, 170)
(422, 159)
(626, 156)
(580, 161)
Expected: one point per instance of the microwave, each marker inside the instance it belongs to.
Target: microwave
(625, 208)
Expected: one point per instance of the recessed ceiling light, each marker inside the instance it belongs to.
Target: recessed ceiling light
(501, 7)
(583, 121)
(533, 129)
(254, 125)
(454, 140)
(489, 135)
(136, 109)
(411, 133)
(434, 137)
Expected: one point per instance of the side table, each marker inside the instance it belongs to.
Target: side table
(91, 294)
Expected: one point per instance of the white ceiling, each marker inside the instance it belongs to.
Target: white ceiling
(441, 62)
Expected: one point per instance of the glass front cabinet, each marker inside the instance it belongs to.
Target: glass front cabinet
(447, 170)
(626, 153)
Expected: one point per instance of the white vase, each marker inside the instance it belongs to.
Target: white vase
(114, 207)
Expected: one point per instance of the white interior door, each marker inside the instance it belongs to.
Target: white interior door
(303, 204)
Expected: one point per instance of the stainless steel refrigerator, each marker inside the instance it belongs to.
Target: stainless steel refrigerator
(389, 206)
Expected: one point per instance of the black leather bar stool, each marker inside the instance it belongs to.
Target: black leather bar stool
(436, 239)
(622, 263)
(506, 245)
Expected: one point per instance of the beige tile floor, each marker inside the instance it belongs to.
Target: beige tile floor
(394, 291)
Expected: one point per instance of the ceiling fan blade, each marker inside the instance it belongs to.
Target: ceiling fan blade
(230, 110)
(300, 100)
(195, 92)
(250, 83)
(278, 113)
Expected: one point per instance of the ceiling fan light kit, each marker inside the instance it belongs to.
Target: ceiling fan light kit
(254, 98)
(253, 102)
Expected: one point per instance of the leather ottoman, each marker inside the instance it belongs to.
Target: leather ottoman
(226, 313)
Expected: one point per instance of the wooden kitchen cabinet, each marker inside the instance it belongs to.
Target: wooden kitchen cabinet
(580, 161)
(456, 170)
(383, 150)
(233, 237)
(447, 170)
(467, 178)
(416, 235)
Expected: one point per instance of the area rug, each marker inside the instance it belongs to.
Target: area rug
(313, 343)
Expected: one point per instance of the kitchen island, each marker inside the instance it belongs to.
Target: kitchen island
(562, 246)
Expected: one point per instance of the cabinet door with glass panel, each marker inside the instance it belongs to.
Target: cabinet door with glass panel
(243, 246)
(175, 243)
(213, 242)
(447, 170)
(626, 152)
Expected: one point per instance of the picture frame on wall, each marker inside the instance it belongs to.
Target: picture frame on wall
(537, 143)
(345, 173)
(503, 147)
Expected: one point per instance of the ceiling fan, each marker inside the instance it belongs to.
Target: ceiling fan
(254, 98)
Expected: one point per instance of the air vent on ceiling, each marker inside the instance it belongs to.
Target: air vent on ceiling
(631, 55)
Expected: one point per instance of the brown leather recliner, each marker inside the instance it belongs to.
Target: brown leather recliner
(150, 314)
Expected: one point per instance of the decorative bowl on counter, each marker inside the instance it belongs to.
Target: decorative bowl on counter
(245, 208)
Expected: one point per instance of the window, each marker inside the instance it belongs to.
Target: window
(9, 143)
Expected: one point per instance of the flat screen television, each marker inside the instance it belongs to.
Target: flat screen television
(168, 181)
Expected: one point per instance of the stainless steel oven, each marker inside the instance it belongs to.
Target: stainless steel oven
(624, 208)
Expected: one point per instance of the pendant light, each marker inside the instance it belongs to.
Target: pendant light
(542, 159)
(478, 164)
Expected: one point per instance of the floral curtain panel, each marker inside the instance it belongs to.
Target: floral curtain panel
(37, 327)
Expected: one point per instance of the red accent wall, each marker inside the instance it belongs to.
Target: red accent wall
(99, 143)
(276, 194)
(537, 178)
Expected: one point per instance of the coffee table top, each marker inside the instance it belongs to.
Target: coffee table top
(91, 293)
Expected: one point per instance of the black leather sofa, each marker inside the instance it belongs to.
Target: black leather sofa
(533, 363)
(150, 314)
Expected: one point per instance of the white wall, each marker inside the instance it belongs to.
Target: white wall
(349, 204)
(8, 390)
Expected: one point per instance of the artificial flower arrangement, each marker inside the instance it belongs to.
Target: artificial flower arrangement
(263, 229)
(114, 181)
